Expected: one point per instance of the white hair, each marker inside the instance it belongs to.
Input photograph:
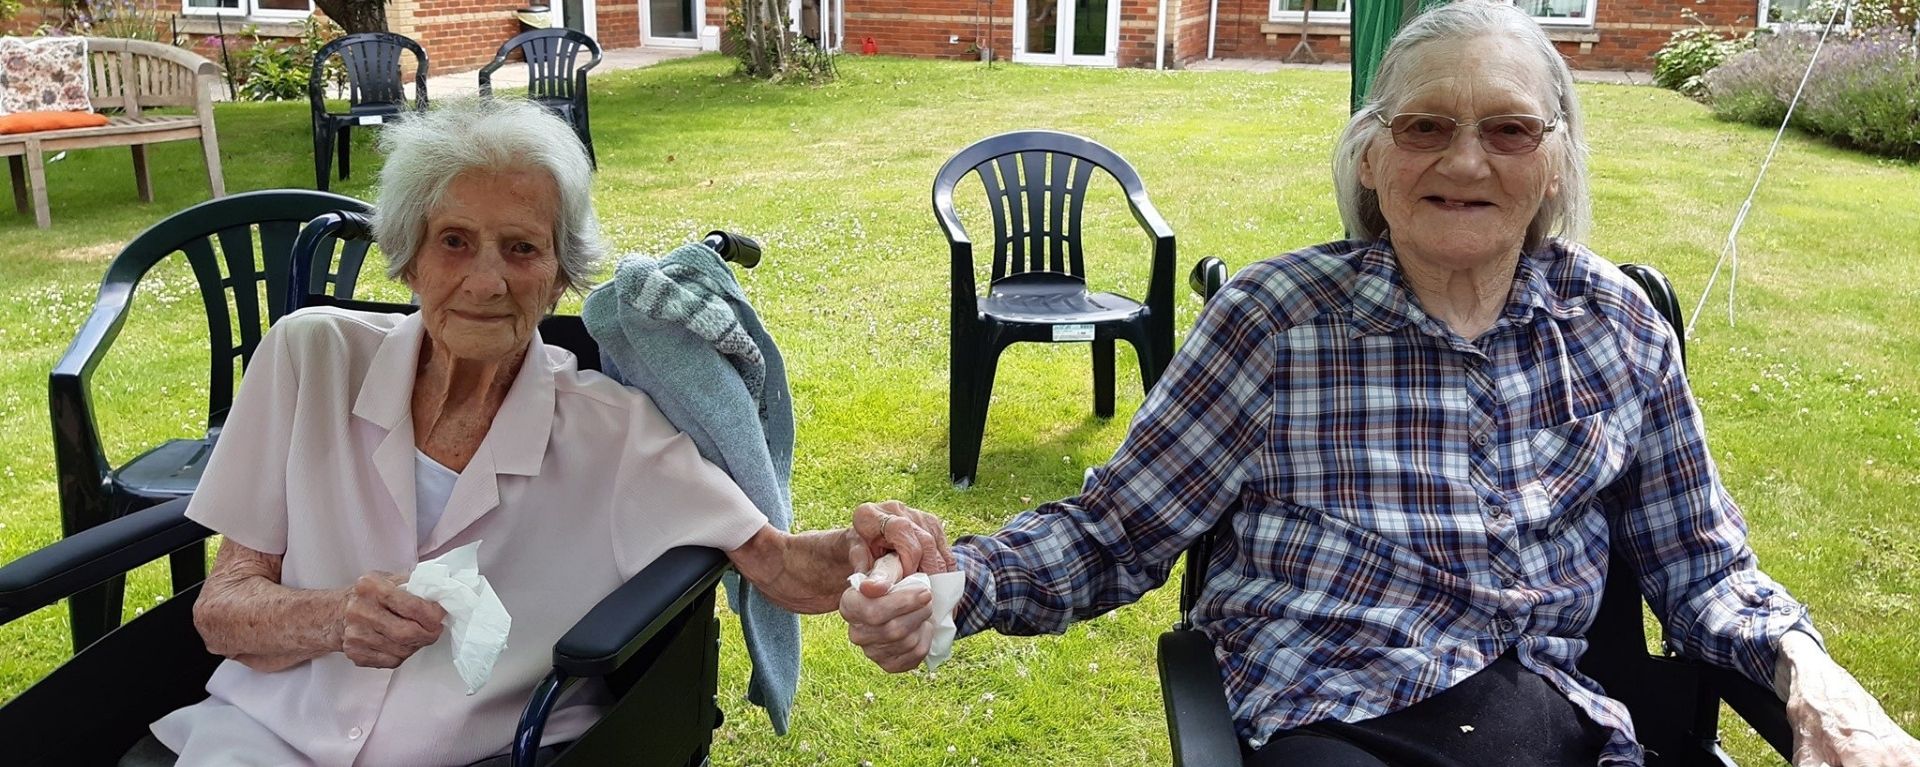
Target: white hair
(1568, 214)
(427, 150)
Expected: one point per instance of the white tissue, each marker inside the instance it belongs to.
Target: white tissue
(476, 620)
(947, 588)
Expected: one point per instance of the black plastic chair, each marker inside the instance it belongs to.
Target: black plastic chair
(654, 642)
(1675, 702)
(374, 93)
(1036, 184)
(218, 239)
(556, 79)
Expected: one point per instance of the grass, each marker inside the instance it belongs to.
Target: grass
(1811, 399)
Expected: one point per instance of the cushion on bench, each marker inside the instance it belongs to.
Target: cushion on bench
(29, 122)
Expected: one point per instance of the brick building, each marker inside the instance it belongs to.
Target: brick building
(463, 34)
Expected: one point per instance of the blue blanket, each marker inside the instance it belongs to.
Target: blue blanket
(679, 328)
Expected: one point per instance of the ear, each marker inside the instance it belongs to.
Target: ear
(1553, 186)
(1366, 168)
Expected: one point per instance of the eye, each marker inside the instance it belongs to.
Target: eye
(1424, 125)
(452, 241)
(524, 248)
(1511, 127)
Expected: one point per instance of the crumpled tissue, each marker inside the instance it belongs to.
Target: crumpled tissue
(947, 588)
(477, 622)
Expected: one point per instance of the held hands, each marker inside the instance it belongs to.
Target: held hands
(893, 628)
(1836, 723)
(383, 625)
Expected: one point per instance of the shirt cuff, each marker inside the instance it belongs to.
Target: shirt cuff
(974, 613)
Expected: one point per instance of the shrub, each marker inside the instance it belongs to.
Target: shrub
(1687, 57)
(271, 71)
(1863, 92)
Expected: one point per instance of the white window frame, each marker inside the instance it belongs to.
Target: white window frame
(1766, 10)
(248, 9)
(1317, 17)
(1593, 7)
(1275, 14)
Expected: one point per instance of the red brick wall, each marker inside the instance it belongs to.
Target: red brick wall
(457, 34)
(618, 24)
(924, 27)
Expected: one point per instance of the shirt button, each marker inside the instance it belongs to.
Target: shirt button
(1495, 511)
(354, 734)
(1504, 625)
(1508, 581)
(1481, 439)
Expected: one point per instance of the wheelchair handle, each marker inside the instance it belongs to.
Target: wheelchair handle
(736, 248)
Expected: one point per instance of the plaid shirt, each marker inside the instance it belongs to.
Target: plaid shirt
(1407, 504)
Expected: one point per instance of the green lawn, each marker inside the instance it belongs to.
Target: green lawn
(1812, 398)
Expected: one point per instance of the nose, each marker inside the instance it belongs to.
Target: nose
(486, 274)
(1464, 158)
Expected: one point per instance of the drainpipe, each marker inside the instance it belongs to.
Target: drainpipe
(1213, 25)
(1160, 38)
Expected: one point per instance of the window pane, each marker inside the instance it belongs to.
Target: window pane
(300, 6)
(214, 4)
(1090, 27)
(1804, 11)
(1554, 9)
(1319, 6)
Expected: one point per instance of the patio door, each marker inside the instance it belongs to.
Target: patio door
(1082, 32)
(821, 22)
(577, 15)
(672, 23)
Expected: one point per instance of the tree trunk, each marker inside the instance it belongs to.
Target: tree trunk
(356, 15)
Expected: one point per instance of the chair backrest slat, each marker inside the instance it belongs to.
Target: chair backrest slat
(1037, 184)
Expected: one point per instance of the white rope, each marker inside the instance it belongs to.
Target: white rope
(1730, 252)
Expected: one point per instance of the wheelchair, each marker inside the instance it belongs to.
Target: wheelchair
(1674, 702)
(653, 642)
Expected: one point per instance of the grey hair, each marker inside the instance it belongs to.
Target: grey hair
(1568, 214)
(427, 150)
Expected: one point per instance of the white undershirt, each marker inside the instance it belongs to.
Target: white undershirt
(432, 486)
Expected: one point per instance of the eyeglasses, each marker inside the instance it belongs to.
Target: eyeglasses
(1499, 134)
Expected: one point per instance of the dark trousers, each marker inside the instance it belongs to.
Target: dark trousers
(1516, 718)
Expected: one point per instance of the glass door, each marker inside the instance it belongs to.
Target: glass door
(821, 22)
(1083, 32)
(673, 23)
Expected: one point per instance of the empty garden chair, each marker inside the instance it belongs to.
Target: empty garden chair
(556, 76)
(375, 93)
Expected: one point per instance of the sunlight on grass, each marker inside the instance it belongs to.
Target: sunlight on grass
(1811, 399)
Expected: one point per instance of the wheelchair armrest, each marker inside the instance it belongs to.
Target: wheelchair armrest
(1198, 721)
(91, 556)
(1761, 707)
(616, 628)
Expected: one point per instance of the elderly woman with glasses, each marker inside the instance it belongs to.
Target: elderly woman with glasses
(363, 444)
(1428, 437)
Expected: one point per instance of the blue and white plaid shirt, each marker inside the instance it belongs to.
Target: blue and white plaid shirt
(1407, 504)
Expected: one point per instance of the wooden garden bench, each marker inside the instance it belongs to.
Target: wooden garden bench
(127, 77)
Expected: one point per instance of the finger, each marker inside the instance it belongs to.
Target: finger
(896, 630)
(872, 613)
(881, 578)
(428, 614)
(937, 558)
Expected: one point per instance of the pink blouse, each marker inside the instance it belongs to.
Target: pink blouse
(578, 485)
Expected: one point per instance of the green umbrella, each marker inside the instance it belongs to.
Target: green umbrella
(1374, 24)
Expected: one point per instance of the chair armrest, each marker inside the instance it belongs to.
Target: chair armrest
(91, 556)
(622, 623)
(486, 72)
(80, 463)
(1198, 721)
(1761, 707)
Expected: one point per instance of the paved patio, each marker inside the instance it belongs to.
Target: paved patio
(514, 74)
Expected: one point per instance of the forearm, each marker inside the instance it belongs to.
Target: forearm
(802, 572)
(244, 613)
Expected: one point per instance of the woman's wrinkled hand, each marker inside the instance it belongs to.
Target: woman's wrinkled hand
(383, 625)
(919, 538)
(1836, 722)
(890, 627)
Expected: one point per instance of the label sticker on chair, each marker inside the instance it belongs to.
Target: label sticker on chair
(1073, 332)
(372, 119)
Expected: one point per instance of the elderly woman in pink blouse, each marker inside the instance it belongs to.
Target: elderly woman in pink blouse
(362, 444)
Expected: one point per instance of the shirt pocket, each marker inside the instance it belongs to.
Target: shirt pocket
(1568, 464)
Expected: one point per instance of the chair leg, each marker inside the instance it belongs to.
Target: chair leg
(1151, 363)
(322, 156)
(345, 139)
(972, 381)
(96, 611)
(142, 180)
(1103, 377)
(216, 178)
(17, 168)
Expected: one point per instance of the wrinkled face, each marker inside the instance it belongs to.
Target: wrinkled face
(1461, 207)
(487, 269)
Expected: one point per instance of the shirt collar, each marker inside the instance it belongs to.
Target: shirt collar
(517, 439)
(1382, 302)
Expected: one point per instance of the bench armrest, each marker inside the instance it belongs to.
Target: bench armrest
(94, 555)
(1198, 721)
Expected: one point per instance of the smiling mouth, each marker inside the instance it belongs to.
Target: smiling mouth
(1453, 204)
(477, 317)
